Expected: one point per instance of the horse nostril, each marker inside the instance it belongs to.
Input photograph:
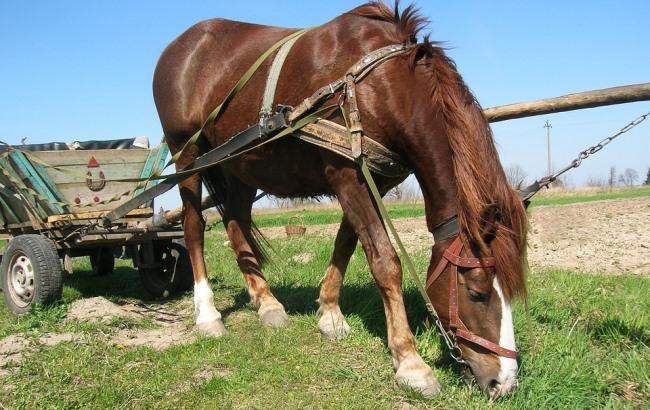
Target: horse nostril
(493, 384)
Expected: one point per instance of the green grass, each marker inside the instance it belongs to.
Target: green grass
(331, 215)
(587, 346)
(597, 196)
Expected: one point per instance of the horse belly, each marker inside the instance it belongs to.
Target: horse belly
(286, 169)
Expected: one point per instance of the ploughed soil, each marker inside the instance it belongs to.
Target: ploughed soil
(610, 237)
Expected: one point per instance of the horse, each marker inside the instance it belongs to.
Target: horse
(417, 105)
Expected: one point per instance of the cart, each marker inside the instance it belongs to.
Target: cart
(52, 197)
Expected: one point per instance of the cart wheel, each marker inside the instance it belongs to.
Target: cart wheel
(31, 273)
(103, 261)
(173, 272)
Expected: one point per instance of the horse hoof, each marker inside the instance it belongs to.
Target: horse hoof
(333, 327)
(418, 378)
(211, 329)
(274, 318)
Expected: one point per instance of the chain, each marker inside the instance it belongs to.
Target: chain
(536, 186)
(594, 149)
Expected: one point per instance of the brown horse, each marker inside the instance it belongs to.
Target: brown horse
(415, 104)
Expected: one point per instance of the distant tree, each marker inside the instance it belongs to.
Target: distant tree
(612, 176)
(397, 193)
(408, 190)
(629, 177)
(516, 176)
(647, 178)
(277, 202)
(598, 182)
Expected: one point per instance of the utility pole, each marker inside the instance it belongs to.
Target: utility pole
(548, 127)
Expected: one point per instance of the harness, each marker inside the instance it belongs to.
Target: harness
(457, 329)
(306, 122)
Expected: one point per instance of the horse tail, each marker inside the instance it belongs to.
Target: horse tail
(217, 184)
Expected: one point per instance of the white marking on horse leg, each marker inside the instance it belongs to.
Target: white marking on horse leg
(204, 303)
(413, 373)
(508, 366)
(332, 323)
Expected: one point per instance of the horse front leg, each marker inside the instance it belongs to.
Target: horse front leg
(237, 219)
(411, 371)
(208, 318)
(332, 323)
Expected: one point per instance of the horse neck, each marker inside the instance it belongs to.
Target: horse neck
(428, 152)
(433, 168)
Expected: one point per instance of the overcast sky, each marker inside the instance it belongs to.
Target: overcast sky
(78, 70)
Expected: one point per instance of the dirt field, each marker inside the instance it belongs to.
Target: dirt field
(610, 236)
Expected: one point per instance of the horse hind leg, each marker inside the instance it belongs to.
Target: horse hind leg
(237, 219)
(332, 323)
(208, 318)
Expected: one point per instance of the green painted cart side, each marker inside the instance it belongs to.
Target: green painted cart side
(31, 177)
(154, 164)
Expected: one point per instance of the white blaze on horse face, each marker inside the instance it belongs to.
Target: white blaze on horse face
(508, 372)
(204, 303)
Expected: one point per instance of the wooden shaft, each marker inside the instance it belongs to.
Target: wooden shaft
(175, 215)
(570, 102)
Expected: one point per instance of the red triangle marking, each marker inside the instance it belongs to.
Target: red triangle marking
(92, 163)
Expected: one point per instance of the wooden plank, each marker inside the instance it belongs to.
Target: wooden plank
(162, 157)
(79, 190)
(570, 102)
(37, 205)
(6, 207)
(103, 156)
(114, 164)
(50, 185)
(77, 173)
(18, 202)
(149, 168)
(32, 179)
(96, 239)
(136, 213)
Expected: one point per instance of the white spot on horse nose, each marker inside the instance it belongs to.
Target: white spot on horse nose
(508, 366)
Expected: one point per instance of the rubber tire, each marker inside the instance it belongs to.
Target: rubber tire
(157, 281)
(103, 261)
(48, 275)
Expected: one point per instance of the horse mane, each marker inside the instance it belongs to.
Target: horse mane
(482, 185)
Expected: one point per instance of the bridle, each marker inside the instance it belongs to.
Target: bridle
(457, 329)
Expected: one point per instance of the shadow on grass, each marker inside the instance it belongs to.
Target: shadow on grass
(361, 300)
(124, 282)
(612, 330)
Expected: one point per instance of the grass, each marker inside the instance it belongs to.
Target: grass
(586, 347)
(332, 214)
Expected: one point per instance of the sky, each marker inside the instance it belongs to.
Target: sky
(81, 70)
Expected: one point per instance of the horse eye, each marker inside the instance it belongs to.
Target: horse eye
(477, 296)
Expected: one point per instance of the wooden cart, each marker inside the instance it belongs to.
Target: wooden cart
(52, 197)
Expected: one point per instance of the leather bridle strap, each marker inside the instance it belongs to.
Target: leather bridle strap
(456, 326)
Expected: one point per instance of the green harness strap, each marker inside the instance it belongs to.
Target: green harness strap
(234, 91)
(410, 267)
